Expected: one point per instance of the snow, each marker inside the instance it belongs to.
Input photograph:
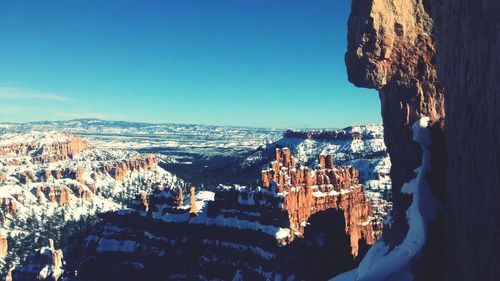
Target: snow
(277, 232)
(109, 197)
(242, 248)
(234, 211)
(113, 245)
(333, 192)
(173, 218)
(205, 195)
(248, 201)
(381, 263)
(36, 137)
(129, 136)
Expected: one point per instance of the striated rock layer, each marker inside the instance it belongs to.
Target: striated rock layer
(256, 233)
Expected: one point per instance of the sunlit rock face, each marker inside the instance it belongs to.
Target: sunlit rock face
(4, 245)
(259, 233)
(390, 48)
(309, 191)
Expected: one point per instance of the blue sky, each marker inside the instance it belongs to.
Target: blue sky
(262, 63)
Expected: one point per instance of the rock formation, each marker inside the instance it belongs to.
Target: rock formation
(426, 58)
(248, 230)
(4, 246)
(118, 170)
(8, 206)
(54, 194)
(391, 49)
(62, 147)
(192, 201)
(310, 191)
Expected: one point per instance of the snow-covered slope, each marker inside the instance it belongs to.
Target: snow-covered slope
(48, 179)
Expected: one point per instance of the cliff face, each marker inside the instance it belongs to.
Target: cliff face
(391, 49)
(468, 60)
(258, 233)
(410, 51)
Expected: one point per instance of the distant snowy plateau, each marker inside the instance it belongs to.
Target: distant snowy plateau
(44, 185)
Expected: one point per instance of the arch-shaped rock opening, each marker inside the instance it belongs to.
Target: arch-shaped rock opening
(325, 249)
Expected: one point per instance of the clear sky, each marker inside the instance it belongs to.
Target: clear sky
(264, 63)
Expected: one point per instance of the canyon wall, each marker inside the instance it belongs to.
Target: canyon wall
(424, 57)
(468, 60)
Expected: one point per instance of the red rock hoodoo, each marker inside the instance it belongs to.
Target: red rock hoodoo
(3, 246)
(310, 191)
(68, 146)
(119, 170)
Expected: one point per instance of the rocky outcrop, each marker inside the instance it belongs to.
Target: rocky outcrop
(254, 231)
(45, 264)
(391, 48)
(82, 191)
(54, 194)
(120, 169)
